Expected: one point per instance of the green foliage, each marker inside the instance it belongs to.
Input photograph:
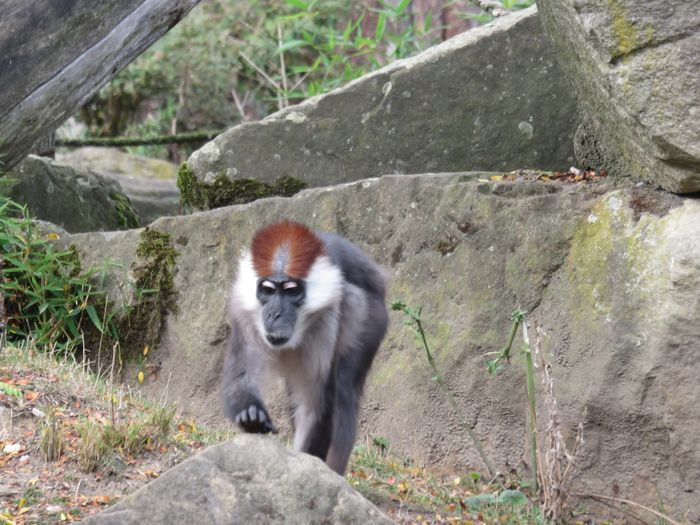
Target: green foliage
(47, 296)
(494, 365)
(229, 61)
(10, 390)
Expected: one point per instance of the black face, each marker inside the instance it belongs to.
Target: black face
(281, 298)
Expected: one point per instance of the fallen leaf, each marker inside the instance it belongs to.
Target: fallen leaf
(31, 395)
(140, 377)
(102, 500)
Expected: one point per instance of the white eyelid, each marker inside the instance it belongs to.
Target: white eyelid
(268, 284)
(289, 285)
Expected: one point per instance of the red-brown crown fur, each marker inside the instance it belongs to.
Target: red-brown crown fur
(302, 244)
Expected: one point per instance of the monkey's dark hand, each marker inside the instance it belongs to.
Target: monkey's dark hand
(255, 419)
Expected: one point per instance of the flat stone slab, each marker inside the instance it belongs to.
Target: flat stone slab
(492, 98)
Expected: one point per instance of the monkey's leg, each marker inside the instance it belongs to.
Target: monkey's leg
(350, 373)
(347, 399)
(314, 421)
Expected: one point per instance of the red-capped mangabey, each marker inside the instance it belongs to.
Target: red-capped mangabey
(310, 306)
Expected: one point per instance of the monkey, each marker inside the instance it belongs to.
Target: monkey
(309, 306)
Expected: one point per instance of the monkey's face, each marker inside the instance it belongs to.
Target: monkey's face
(281, 298)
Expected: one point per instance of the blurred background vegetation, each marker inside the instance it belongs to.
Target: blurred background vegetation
(231, 61)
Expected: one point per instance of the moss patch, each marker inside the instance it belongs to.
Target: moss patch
(128, 218)
(156, 296)
(226, 192)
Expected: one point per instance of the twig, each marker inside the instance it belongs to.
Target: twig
(111, 384)
(267, 77)
(531, 404)
(628, 502)
(283, 71)
(165, 390)
(240, 104)
(416, 320)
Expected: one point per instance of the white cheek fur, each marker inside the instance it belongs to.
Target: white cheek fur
(324, 286)
(244, 290)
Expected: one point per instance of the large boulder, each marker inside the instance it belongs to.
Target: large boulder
(635, 68)
(149, 183)
(246, 480)
(56, 55)
(79, 201)
(611, 273)
(492, 98)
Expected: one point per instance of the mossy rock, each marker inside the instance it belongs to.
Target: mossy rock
(224, 191)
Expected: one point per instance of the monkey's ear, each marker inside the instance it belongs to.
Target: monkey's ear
(324, 285)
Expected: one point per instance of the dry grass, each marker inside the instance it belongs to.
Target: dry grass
(556, 464)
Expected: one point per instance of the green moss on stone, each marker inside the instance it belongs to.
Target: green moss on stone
(153, 272)
(191, 194)
(224, 191)
(128, 218)
(286, 186)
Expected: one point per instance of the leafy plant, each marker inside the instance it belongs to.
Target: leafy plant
(10, 390)
(47, 296)
(494, 366)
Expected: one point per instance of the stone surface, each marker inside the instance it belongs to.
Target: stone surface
(492, 98)
(149, 183)
(248, 479)
(78, 201)
(612, 275)
(635, 68)
(55, 55)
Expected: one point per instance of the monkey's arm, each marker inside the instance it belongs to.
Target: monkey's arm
(241, 396)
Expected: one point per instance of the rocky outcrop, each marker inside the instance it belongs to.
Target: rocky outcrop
(610, 273)
(78, 201)
(635, 67)
(149, 183)
(249, 479)
(55, 55)
(492, 98)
